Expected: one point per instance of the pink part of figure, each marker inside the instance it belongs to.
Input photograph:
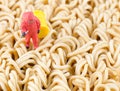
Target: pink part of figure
(30, 28)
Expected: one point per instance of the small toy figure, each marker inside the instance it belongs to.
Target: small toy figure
(30, 28)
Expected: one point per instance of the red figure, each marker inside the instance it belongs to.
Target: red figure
(30, 28)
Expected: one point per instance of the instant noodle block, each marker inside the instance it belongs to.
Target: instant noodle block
(44, 30)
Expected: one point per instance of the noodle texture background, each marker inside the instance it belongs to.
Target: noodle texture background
(81, 52)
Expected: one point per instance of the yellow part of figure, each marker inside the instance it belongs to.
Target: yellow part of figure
(45, 1)
(44, 30)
